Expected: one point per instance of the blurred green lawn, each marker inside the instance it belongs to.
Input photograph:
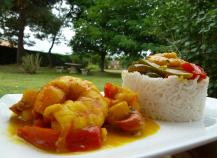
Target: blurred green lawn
(14, 80)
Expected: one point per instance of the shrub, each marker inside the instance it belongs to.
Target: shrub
(85, 62)
(31, 63)
(93, 67)
(127, 60)
(76, 58)
(82, 59)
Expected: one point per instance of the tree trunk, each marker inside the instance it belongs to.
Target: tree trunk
(20, 48)
(49, 52)
(102, 62)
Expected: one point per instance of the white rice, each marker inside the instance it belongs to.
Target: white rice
(169, 99)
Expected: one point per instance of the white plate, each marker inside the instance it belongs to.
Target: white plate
(170, 139)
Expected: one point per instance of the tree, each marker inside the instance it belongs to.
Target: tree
(115, 26)
(52, 31)
(19, 14)
(130, 26)
(82, 44)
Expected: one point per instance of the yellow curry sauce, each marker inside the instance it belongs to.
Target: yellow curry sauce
(114, 139)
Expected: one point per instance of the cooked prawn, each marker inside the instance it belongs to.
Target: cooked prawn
(66, 104)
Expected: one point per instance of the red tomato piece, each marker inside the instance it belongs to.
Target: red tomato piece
(44, 138)
(110, 90)
(84, 139)
(203, 75)
(188, 67)
(41, 123)
(131, 124)
(195, 70)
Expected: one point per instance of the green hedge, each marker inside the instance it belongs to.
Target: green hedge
(57, 59)
(8, 56)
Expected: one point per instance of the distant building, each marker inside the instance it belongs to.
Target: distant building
(114, 64)
(5, 43)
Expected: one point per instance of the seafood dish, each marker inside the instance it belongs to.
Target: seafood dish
(69, 114)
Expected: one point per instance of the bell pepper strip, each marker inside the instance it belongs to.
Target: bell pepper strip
(110, 90)
(133, 123)
(41, 123)
(88, 138)
(44, 138)
(195, 70)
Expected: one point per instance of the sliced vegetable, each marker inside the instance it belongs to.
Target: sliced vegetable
(110, 90)
(195, 70)
(167, 64)
(188, 67)
(41, 123)
(153, 74)
(164, 71)
(139, 67)
(84, 139)
(44, 138)
(133, 123)
(178, 73)
(118, 111)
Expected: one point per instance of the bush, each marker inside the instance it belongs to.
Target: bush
(82, 59)
(76, 58)
(127, 60)
(8, 56)
(93, 67)
(31, 63)
(57, 59)
(85, 62)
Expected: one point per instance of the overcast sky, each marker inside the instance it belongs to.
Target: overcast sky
(44, 45)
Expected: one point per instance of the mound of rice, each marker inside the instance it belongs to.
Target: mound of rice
(169, 99)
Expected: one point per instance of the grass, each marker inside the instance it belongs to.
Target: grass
(14, 80)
